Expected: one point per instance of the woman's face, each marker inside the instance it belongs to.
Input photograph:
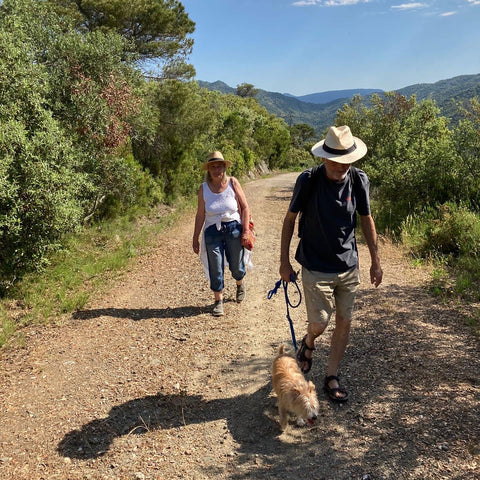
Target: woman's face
(216, 170)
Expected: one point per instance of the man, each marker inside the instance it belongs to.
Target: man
(328, 198)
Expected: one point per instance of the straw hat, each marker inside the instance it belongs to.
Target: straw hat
(215, 157)
(340, 146)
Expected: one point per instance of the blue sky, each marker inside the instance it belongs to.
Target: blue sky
(308, 46)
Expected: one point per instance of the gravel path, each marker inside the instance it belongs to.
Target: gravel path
(145, 384)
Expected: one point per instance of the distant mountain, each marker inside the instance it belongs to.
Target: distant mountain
(330, 96)
(446, 92)
(287, 107)
(320, 116)
(217, 86)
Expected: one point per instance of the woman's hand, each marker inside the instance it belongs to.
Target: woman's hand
(196, 245)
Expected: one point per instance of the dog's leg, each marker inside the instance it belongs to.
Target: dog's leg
(300, 422)
(283, 417)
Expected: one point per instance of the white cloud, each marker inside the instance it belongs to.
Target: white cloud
(328, 3)
(410, 6)
(337, 3)
(448, 14)
(304, 3)
(474, 2)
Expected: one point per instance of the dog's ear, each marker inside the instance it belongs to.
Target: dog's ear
(298, 391)
(311, 386)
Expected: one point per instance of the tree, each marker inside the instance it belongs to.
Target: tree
(66, 102)
(301, 134)
(411, 159)
(157, 30)
(178, 121)
(245, 90)
(467, 142)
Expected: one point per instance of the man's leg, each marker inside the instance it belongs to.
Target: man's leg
(345, 291)
(314, 330)
(318, 293)
(338, 346)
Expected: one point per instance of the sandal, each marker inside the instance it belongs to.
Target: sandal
(333, 392)
(301, 354)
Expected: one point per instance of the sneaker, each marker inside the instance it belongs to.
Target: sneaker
(241, 292)
(218, 308)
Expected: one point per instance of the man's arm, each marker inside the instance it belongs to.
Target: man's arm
(286, 269)
(370, 234)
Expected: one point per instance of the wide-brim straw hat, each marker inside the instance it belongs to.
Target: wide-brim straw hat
(340, 146)
(215, 157)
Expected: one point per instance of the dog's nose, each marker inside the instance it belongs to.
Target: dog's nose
(314, 417)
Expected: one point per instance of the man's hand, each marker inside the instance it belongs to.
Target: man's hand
(287, 273)
(376, 275)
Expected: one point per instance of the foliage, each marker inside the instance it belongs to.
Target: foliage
(65, 104)
(155, 29)
(467, 143)
(184, 122)
(301, 134)
(411, 162)
(450, 233)
(450, 230)
(246, 90)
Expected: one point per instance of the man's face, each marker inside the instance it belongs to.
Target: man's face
(336, 172)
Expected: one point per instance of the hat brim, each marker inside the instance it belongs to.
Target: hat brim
(351, 157)
(226, 162)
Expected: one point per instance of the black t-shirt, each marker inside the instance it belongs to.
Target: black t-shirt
(327, 242)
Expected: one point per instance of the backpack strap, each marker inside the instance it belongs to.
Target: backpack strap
(312, 181)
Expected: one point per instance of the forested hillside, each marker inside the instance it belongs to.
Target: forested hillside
(319, 109)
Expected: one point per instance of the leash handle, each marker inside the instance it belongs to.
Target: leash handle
(272, 292)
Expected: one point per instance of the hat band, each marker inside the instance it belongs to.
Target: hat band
(336, 151)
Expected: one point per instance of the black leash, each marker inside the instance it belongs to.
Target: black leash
(272, 292)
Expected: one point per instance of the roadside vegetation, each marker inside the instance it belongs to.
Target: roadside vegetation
(102, 127)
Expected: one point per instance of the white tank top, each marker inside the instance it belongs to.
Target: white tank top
(220, 207)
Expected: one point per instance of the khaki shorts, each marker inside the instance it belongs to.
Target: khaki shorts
(326, 292)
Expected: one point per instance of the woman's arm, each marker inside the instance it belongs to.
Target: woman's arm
(199, 220)
(242, 207)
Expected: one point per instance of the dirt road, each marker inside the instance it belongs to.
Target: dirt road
(146, 384)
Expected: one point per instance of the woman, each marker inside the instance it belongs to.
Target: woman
(223, 213)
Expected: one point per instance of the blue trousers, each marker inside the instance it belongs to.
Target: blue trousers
(222, 243)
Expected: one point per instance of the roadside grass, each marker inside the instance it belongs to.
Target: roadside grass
(85, 267)
(449, 238)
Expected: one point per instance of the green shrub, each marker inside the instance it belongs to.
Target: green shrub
(452, 230)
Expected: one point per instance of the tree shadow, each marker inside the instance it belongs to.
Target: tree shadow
(246, 416)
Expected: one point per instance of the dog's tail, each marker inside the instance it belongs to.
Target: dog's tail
(281, 349)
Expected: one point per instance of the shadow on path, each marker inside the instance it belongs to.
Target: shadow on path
(246, 417)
